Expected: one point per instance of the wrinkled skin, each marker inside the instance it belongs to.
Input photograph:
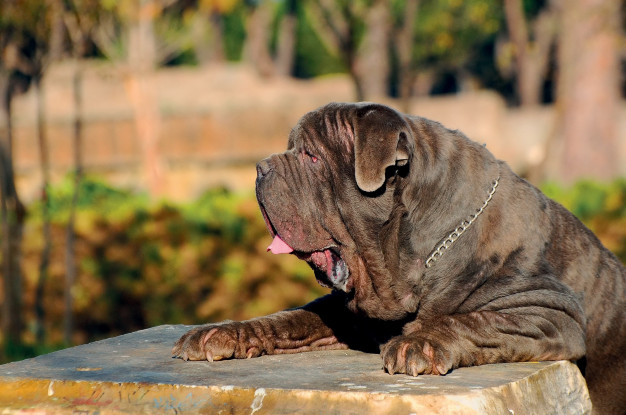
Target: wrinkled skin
(364, 194)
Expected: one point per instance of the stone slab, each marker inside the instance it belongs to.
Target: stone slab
(134, 373)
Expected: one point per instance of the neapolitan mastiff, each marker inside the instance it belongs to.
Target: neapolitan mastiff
(437, 254)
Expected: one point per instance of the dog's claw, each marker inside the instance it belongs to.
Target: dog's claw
(210, 343)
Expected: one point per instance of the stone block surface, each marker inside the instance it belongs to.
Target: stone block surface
(134, 373)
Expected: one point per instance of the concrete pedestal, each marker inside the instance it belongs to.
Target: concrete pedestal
(134, 373)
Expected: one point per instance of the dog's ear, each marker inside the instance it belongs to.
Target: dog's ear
(381, 138)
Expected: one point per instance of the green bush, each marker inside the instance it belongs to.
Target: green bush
(142, 264)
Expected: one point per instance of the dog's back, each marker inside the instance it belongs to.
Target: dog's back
(592, 271)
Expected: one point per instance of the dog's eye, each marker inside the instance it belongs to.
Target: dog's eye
(311, 157)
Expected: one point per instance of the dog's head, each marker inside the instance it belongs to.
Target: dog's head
(333, 196)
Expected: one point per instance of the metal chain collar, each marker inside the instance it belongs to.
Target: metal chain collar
(447, 243)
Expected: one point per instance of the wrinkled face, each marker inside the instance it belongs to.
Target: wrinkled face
(329, 198)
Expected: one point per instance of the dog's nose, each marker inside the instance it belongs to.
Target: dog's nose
(263, 167)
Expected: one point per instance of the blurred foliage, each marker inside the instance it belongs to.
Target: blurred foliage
(449, 30)
(143, 264)
(452, 37)
(453, 40)
(234, 32)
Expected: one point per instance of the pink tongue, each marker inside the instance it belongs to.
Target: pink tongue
(278, 246)
(329, 264)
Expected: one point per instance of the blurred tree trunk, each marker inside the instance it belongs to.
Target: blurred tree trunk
(257, 45)
(373, 63)
(13, 213)
(285, 53)
(44, 264)
(208, 41)
(70, 235)
(79, 29)
(5, 108)
(138, 65)
(531, 49)
(42, 33)
(142, 63)
(11, 209)
(404, 48)
(57, 31)
(585, 141)
(337, 28)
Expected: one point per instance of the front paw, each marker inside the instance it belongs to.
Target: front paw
(414, 355)
(217, 342)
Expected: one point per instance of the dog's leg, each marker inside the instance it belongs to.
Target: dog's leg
(320, 325)
(541, 324)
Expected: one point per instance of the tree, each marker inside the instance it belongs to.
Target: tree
(80, 18)
(266, 18)
(42, 21)
(13, 213)
(529, 49)
(404, 36)
(373, 62)
(339, 26)
(13, 79)
(142, 60)
(39, 23)
(126, 34)
(585, 140)
(257, 47)
(286, 47)
(139, 36)
(206, 25)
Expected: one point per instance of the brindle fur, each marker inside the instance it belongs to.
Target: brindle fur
(527, 281)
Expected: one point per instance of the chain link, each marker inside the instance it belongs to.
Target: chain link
(447, 243)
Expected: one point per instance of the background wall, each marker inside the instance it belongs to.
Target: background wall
(218, 121)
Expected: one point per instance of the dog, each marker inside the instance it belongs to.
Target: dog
(438, 256)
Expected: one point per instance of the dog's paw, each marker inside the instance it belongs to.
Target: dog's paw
(413, 355)
(217, 342)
